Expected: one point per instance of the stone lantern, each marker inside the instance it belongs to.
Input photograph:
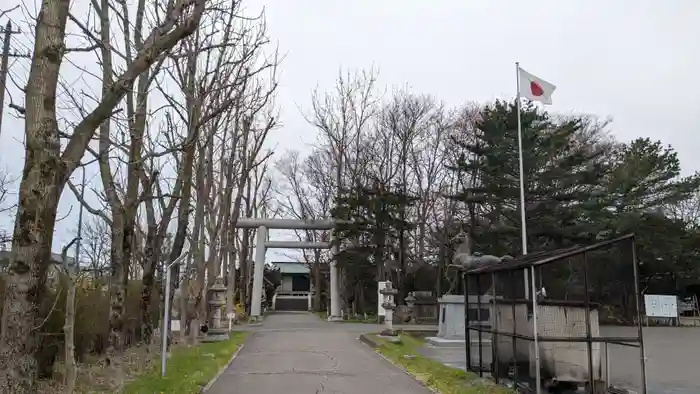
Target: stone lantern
(388, 304)
(217, 300)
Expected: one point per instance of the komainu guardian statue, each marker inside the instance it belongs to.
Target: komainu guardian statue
(464, 260)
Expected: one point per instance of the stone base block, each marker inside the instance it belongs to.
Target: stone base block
(442, 342)
(255, 319)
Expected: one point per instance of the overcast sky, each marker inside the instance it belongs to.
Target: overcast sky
(637, 62)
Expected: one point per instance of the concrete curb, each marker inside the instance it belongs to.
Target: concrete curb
(364, 338)
(222, 370)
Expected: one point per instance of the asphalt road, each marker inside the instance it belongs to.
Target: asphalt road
(297, 353)
(673, 359)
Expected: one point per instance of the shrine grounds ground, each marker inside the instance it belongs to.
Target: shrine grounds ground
(673, 359)
(300, 353)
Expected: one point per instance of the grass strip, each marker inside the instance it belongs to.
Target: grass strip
(189, 368)
(437, 376)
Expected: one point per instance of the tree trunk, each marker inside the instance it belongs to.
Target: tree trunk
(198, 242)
(186, 169)
(148, 281)
(184, 300)
(25, 288)
(117, 296)
(231, 266)
(43, 179)
(213, 265)
(421, 241)
(183, 216)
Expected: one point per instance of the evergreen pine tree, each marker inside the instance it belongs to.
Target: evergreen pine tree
(562, 170)
(373, 238)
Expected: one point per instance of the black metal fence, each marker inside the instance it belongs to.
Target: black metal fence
(560, 321)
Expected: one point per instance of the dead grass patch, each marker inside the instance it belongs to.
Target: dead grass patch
(95, 377)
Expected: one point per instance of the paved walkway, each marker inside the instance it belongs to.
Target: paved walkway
(297, 353)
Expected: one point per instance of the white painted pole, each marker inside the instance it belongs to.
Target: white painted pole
(258, 272)
(535, 331)
(529, 290)
(335, 286)
(523, 218)
(166, 315)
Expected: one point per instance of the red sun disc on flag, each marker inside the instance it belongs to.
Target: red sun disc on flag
(536, 89)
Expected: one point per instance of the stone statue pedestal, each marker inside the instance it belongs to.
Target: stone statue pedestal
(451, 329)
(217, 300)
(451, 317)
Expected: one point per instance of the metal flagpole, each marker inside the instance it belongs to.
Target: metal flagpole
(535, 334)
(523, 223)
(529, 276)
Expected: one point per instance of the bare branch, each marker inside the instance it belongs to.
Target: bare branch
(5, 12)
(87, 206)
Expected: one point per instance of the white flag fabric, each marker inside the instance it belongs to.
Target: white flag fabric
(534, 88)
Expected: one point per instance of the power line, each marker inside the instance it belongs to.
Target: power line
(4, 63)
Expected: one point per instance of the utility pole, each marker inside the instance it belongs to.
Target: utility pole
(4, 64)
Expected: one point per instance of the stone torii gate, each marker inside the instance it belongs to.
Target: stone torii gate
(262, 244)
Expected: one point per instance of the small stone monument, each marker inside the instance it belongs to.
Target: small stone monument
(217, 300)
(389, 306)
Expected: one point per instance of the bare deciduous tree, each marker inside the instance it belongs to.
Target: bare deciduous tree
(343, 120)
(688, 211)
(47, 169)
(307, 194)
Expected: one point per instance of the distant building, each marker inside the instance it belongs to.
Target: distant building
(295, 290)
(295, 276)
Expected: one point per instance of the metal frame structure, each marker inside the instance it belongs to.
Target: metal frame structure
(528, 264)
(262, 244)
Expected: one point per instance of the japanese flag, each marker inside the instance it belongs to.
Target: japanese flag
(535, 89)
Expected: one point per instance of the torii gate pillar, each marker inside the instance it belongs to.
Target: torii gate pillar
(258, 272)
(262, 244)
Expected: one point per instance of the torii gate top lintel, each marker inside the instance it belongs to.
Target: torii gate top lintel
(288, 224)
